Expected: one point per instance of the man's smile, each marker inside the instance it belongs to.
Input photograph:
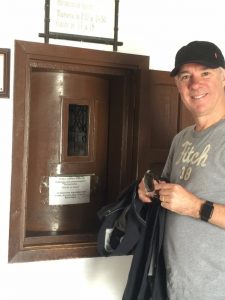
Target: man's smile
(196, 97)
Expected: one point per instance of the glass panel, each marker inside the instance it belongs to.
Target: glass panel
(78, 130)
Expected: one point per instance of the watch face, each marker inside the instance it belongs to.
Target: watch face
(206, 211)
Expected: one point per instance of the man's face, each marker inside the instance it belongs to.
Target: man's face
(201, 89)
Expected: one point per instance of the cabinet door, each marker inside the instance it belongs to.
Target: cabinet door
(71, 138)
(162, 115)
(185, 117)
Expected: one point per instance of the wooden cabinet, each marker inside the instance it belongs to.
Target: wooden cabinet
(74, 145)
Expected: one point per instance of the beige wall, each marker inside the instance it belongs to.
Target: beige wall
(157, 31)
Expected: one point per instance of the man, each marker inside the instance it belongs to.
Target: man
(194, 240)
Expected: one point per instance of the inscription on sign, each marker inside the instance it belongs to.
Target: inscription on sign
(65, 190)
(87, 17)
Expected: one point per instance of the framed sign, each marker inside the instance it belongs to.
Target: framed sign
(92, 21)
(4, 72)
(83, 17)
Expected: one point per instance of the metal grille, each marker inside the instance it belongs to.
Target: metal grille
(78, 130)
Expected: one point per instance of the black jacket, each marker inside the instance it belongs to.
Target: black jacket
(132, 227)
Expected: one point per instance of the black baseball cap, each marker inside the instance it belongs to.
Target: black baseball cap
(200, 52)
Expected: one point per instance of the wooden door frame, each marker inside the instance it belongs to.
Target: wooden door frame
(124, 70)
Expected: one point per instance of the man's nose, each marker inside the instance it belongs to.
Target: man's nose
(195, 81)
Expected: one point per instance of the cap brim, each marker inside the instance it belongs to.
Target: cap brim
(175, 71)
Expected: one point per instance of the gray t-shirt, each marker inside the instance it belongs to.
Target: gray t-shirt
(195, 250)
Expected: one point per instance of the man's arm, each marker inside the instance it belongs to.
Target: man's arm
(177, 199)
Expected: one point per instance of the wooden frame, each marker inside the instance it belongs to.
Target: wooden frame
(123, 73)
(4, 72)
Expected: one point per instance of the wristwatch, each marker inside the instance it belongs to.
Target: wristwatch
(206, 211)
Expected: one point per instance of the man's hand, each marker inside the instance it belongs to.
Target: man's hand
(177, 199)
(143, 194)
